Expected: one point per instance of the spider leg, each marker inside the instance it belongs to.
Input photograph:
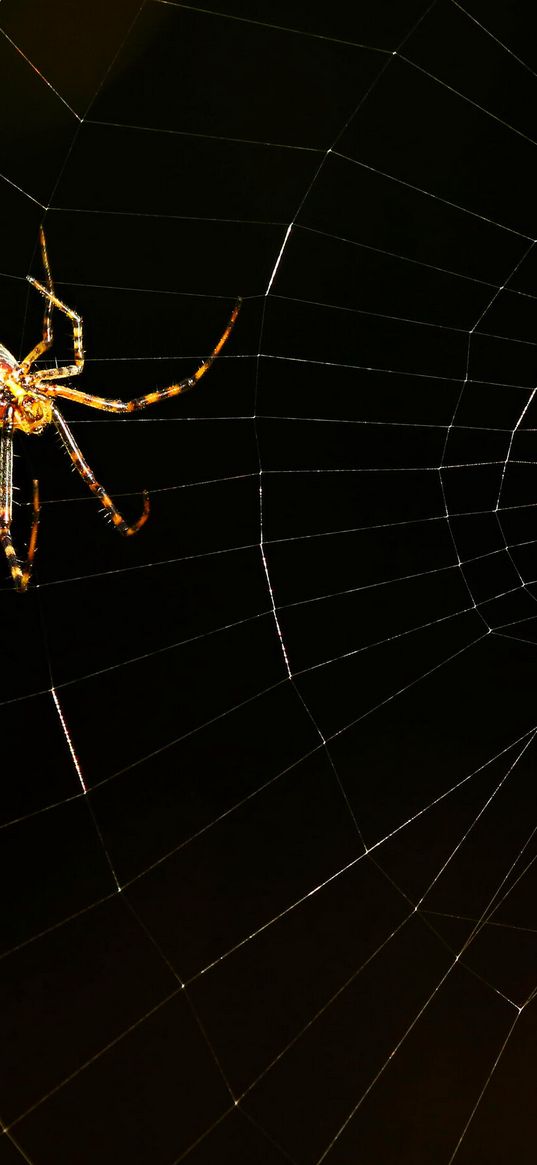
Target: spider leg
(20, 572)
(76, 320)
(88, 476)
(32, 544)
(46, 342)
(150, 398)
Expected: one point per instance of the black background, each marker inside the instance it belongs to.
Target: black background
(291, 915)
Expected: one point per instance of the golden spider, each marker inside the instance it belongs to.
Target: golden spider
(26, 404)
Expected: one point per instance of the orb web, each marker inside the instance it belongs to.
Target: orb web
(269, 835)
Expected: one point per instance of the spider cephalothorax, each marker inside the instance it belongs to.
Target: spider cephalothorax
(27, 404)
(31, 413)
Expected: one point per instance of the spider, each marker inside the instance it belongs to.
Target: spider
(27, 403)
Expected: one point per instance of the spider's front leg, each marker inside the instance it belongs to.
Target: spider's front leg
(76, 321)
(46, 342)
(20, 571)
(149, 398)
(88, 476)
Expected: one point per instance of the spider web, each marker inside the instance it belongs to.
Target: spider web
(268, 802)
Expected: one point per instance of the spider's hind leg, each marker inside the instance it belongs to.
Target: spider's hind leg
(20, 571)
(81, 465)
(32, 543)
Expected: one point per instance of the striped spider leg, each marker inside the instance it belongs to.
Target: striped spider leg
(20, 571)
(46, 342)
(27, 403)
